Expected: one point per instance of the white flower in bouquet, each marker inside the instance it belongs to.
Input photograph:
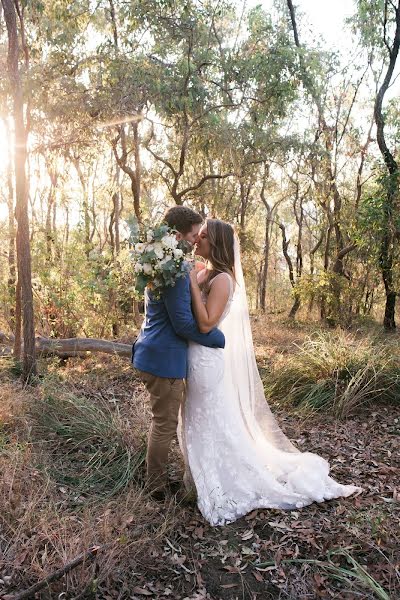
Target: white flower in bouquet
(147, 269)
(158, 250)
(139, 247)
(169, 241)
(138, 268)
(150, 235)
(178, 253)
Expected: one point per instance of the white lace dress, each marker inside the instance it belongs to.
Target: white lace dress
(233, 470)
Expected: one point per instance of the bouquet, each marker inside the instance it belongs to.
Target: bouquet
(159, 259)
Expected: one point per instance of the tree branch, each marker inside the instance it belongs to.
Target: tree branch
(201, 182)
(32, 591)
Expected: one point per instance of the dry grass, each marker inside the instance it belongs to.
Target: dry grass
(95, 408)
(336, 371)
(46, 523)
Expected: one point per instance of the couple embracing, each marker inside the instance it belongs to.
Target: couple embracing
(195, 355)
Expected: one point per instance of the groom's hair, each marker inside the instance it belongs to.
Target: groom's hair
(182, 218)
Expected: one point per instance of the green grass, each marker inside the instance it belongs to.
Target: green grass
(352, 575)
(91, 446)
(338, 373)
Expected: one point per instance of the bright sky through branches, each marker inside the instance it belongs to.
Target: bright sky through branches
(324, 20)
(325, 17)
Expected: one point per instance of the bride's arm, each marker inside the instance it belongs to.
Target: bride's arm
(207, 315)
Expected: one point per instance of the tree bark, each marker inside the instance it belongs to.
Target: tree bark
(285, 245)
(85, 202)
(265, 266)
(21, 193)
(134, 174)
(18, 321)
(50, 230)
(386, 256)
(11, 282)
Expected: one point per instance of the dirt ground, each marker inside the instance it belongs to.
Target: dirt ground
(347, 548)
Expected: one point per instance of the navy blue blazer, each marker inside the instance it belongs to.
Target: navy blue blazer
(161, 347)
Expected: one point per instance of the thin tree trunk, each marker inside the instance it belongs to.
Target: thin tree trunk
(136, 314)
(21, 193)
(85, 203)
(386, 257)
(11, 282)
(122, 162)
(138, 168)
(265, 268)
(285, 245)
(267, 239)
(312, 260)
(50, 231)
(18, 321)
(117, 209)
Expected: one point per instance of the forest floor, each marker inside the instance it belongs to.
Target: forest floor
(54, 436)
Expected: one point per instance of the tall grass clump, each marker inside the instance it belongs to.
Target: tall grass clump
(93, 449)
(338, 373)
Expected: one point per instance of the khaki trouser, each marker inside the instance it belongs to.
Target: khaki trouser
(166, 396)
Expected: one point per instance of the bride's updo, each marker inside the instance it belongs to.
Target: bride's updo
(221, 257)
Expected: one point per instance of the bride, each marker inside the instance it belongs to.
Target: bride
(236, 455)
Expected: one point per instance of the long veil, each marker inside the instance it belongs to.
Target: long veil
(241, 369)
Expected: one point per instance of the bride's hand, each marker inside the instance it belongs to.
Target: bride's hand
(193, 277)
(199, 266)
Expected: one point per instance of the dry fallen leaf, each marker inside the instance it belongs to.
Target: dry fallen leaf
(257, 576)
(141, 591)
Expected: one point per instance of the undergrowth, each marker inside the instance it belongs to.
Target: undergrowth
(338, 373)
(94, 449)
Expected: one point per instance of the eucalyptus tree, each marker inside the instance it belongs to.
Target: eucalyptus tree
(378, 22)
(14, 19)
(337, 171)
(190, 111)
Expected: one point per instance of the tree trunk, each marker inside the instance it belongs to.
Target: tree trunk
(11, 282)
(18, 321)
(137, 180)
(137, 319)
(312, 262)
(85, 203)
(265, 268)
(285, 245)
(50, 230)
(122, 162)
(21, 193)
(117, 212)
(388, 242)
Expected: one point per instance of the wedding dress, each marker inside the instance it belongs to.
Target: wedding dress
(236, 455)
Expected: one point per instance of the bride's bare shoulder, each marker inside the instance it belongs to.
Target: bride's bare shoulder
(223, 282)
(223, 277)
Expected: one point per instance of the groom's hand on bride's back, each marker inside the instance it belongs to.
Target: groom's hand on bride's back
(177, 301)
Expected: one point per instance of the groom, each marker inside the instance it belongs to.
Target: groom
(160, 354)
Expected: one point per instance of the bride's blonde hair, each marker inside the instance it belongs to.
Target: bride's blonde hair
(221, 238)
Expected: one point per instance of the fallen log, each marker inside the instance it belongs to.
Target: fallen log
(70, 347)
